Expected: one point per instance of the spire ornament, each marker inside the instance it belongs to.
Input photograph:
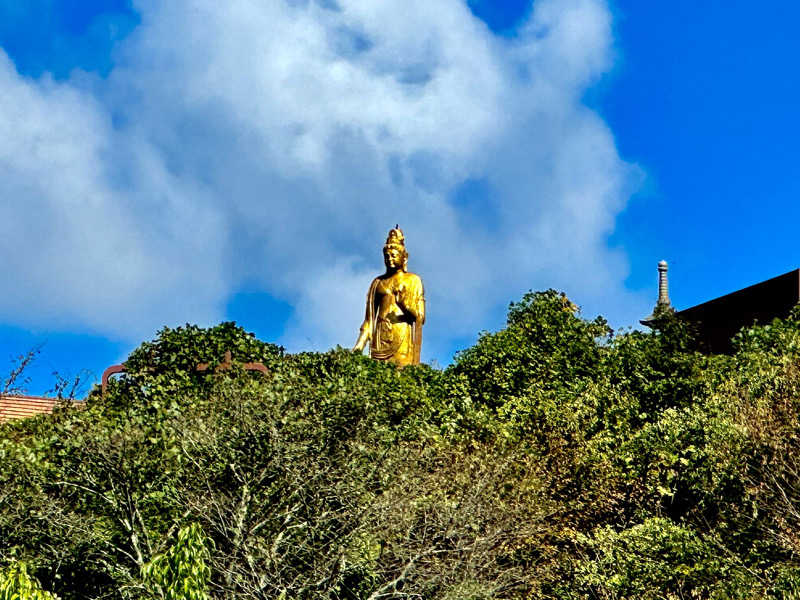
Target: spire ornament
(663, 305)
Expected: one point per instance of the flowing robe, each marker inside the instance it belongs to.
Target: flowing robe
(394, 317)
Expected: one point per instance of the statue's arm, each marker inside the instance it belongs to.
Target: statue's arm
(366, 327)
(363, 336)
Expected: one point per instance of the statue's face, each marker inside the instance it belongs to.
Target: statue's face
(392, 258)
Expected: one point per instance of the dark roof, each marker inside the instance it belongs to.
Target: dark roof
(718, 320)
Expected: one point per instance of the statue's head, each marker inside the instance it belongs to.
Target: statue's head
(395, 255)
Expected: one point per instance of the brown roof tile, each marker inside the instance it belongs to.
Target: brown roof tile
(20, 407)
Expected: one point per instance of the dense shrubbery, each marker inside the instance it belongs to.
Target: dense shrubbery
(553, 459)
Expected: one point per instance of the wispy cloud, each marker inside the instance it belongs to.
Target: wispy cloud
(276, 142)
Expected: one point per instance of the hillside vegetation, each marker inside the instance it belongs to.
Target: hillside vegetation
(551, 460)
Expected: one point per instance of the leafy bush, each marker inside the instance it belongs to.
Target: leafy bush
(553, 459)
(659, 559)
(181, 573)
(17, 584)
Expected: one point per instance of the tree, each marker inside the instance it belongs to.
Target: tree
(182, 572)
(551, 460)
(17, 584)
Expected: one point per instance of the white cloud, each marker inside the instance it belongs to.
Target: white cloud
(277, 142)
(94, 233)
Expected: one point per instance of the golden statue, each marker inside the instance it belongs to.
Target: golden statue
(395, 308)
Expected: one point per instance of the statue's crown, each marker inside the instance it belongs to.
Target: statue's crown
(396, 237)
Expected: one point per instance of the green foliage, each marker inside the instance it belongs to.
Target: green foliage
(553, 459)
(182, 348)
(17, 584)
(527, 381)
(181, 573)
(545, 345)
(659, 560)
(168, 365)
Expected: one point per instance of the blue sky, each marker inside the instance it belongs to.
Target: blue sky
(164, 164)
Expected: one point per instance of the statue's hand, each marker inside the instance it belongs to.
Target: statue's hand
(362, 338)
(400, 298)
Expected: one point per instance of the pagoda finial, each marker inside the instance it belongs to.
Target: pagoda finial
(663, 304)
(663, 284)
